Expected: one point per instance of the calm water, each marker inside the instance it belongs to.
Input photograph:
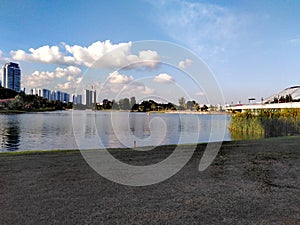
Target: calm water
(70, 130)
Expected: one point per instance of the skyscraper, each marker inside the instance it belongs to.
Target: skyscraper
(89, 97)
(11, 76)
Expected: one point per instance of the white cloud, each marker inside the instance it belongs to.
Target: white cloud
(78, 80)
(108, 55)
(124, 89)
(200, 93)
(64, 86)
(138, 88)
(45, 78)
(117, 78)
(164, 78)
(185, 63)
(3, 59)
(44, 54)
(98, 55)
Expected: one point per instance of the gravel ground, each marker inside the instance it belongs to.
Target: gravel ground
(250, 182)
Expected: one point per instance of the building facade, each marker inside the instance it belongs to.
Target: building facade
(11, 76)
(76, 99)
(89, 97)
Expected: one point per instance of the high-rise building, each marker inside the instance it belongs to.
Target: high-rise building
(11, 76)
(76, 99)
(46, 93)
(89, 97)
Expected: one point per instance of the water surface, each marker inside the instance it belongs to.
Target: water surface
(54, 130)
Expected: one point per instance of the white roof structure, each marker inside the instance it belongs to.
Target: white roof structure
(293, 91)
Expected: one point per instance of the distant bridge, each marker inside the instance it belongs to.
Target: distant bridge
(256, 106)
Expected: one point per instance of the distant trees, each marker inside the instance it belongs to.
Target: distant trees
(190, 105)
(181, 102)
(283, 99)
(21, 101)
(6, 93)
(132, 101)
(288, 98)
(17, 103)
(124, 104)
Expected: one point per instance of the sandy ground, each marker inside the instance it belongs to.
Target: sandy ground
(250, 182)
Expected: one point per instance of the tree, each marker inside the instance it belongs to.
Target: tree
(124, 104)
(132, 101)
(197, 107)
(135, 107)
(17, 103)
(282, 99)
(190, 104)
(181, 102)
(204, 108)
(115, 105)
(106, 104)
(145, 106)
(288, 98)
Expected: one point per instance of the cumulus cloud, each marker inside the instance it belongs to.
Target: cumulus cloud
(98, 55)
(45, 78)
(64, 86)
(138, 87)
(108, 55)
(44, 54)
(185, 63)
(164, 78)
(125, 88)
(3, 59)
(117, 78)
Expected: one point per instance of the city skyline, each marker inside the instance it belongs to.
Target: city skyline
(252, 48)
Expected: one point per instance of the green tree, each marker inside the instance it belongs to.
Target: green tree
(190, 104)
(181, 102)
(17, 103)
(288, 98)
(124, 104)
(132, 101)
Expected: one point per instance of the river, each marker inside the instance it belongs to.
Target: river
(103, 129)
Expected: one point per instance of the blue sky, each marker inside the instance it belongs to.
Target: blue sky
(252, 47)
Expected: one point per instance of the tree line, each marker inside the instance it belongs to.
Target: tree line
(13, 100)
(149, 105)
(23, 102)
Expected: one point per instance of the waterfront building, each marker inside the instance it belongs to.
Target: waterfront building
(53, 95)
(76, 99)
(66, 97)
(89, 97)
(37, 91)
(11, 76)
(46, 93)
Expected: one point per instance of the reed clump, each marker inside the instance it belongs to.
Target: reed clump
(265, 123)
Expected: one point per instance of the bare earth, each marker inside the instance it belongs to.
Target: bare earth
(250, 182)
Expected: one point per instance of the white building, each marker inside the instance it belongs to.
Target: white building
(89, 97)
(76, 99)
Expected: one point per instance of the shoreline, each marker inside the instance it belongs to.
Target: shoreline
(142, 148)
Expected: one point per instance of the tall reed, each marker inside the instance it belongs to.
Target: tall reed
(265, 123)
